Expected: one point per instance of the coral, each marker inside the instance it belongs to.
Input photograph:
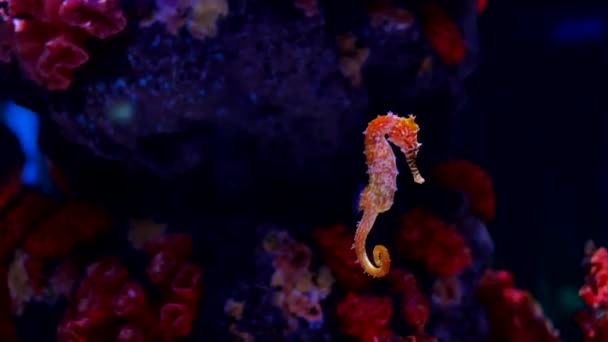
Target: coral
(310, 8)
(481, 6)
(335, 243)
(470, 179)
(384, 15)
(594, 294)
(202, 20)
(144, 232)
(378, 195)
(49, 36)
(285, 298)
(413, 305)
(9, 187)
(21, 219)
(108, 303)
(200, 17)
(73, 224)
(513, 314)
(299, 291)
(423, 237)
(99, 18)
(365, 317)
(172, 13)
(351, 58)
(442, 33)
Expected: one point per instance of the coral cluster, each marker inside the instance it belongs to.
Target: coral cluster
(443, 34)
(49, 36)
(513, 314)
(48, 243)
(427, 239)
(362, 314)
(198, 16)
(593, 322)
(108, 303)
(299, 291)
(292, 287)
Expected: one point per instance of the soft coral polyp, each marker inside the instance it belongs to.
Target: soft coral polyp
(49, 35)
(100, 18)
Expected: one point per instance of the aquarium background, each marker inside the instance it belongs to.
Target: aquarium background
(244, 140)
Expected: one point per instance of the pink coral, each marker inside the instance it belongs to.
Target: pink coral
(130, 333)
(513, 314)
(176, 320)
(186, 285)
(49, 35)
(442, 33)
(100, 18)
(426, 238)
(58, 60)
(336, 249)
(365, 317)
(593, 321)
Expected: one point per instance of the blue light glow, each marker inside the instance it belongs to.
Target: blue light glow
(581, 29)
(25, 125)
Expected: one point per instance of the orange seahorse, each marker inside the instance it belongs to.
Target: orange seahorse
(378, 195)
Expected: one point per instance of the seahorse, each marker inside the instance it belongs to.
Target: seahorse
(379, 194)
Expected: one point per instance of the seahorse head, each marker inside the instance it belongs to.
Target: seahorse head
(405, 134)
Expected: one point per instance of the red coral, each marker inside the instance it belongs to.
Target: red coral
(594, 321)
(9, 187)
(178, 245)
(336, 249)
(74, 331)
(310, 8)
(181, 282)
(93, 305)
(130, 333)
(186, 285)
(73, 223)
(49, 35)
(176, 320)
(39, 44)
(161, 268)
(481, 6)
(469, 178)
(443, 34)
(59, 59)
(513, 314)
(107, 276)
(595, 290)
(100, 18)
(22, 219)
(423, 237)
(413, 305)
(130, 301)
(365, 317)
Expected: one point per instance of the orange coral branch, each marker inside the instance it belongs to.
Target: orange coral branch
(379, 194)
